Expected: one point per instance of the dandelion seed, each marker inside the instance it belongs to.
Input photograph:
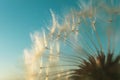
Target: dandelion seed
(73, 22)
(93, 25)
(54, 23)
(45, 41)
(57, 48)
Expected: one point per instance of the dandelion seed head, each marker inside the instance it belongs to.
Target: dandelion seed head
(91, 50)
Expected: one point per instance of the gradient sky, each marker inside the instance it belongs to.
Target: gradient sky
(19, 18)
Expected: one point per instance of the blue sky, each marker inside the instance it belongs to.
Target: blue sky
(19, 18)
